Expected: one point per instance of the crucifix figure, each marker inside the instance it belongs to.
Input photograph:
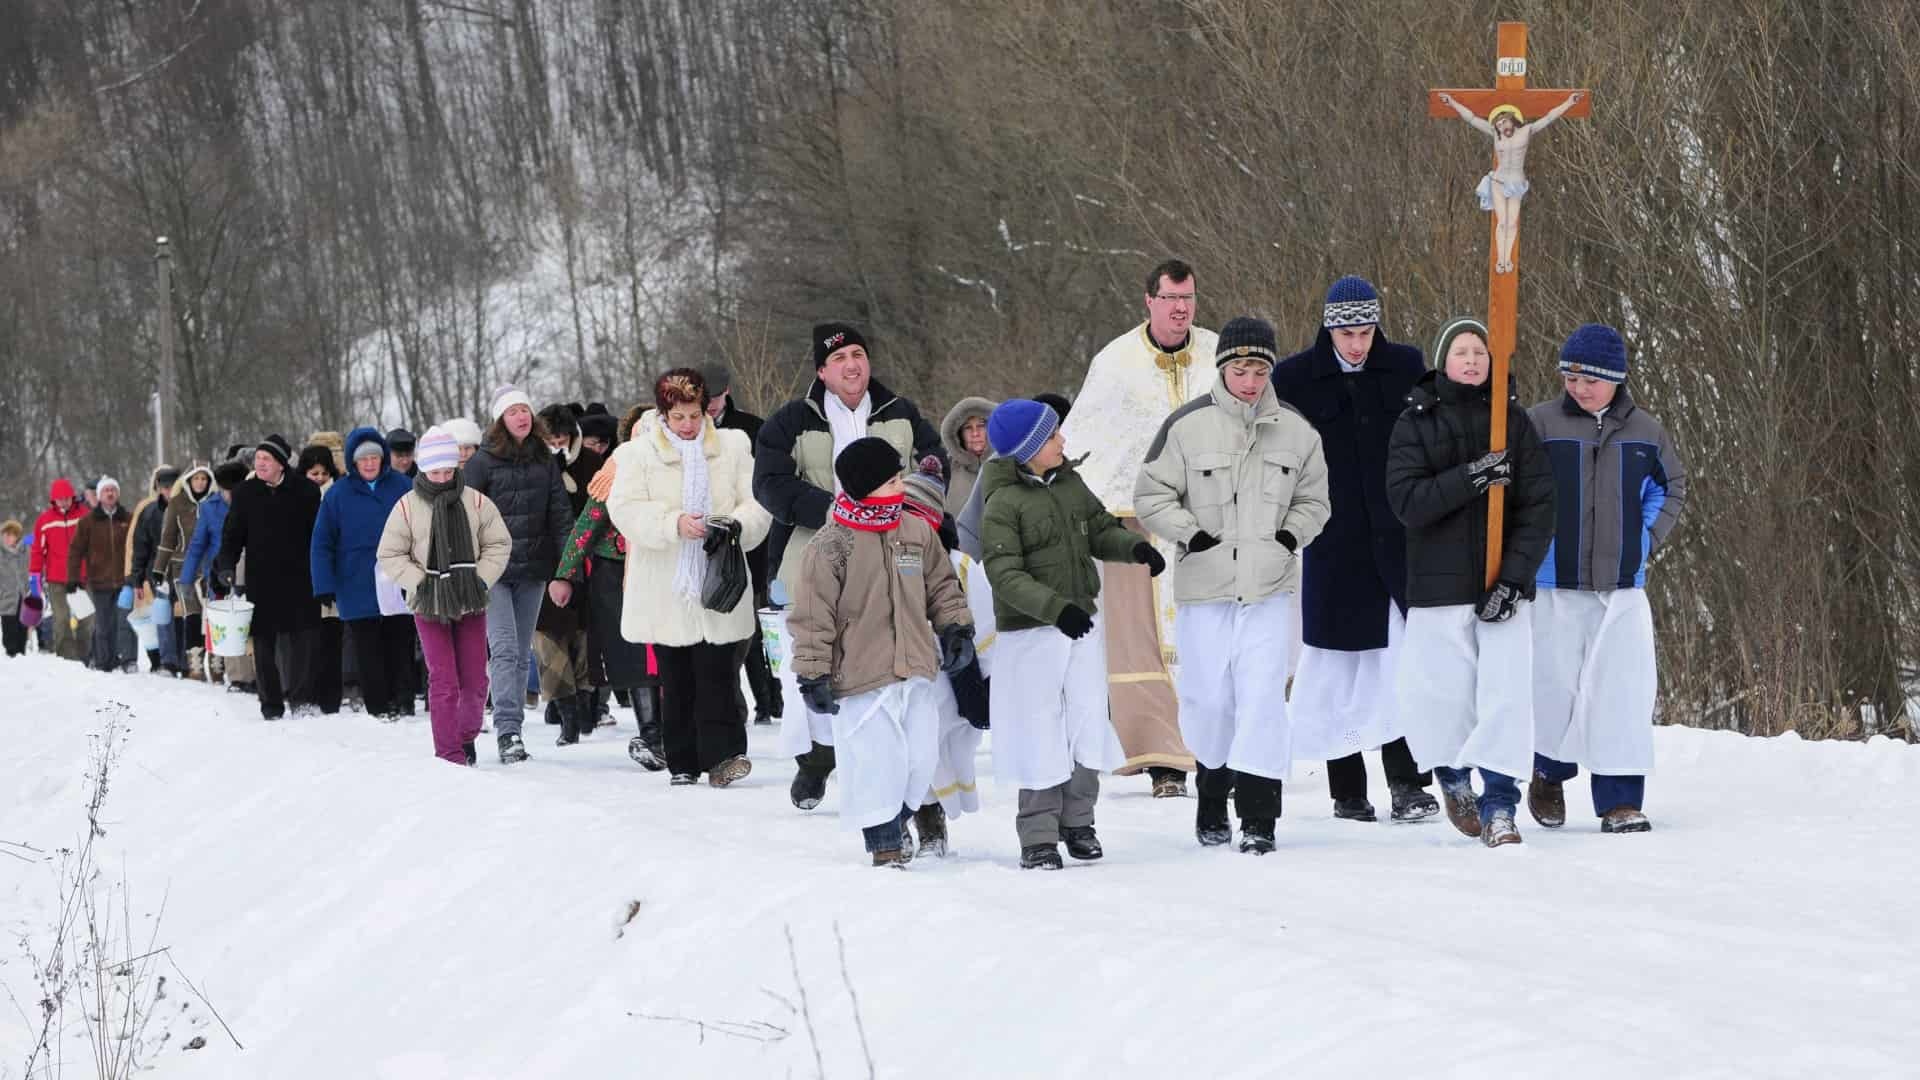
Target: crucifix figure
(1505, 108)
(1502, 189)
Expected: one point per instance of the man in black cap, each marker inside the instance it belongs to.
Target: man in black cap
(271, 523)
(725, 413)
(400, 444)
(793, 478)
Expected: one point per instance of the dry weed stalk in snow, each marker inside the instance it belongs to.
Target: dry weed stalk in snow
(90, 965)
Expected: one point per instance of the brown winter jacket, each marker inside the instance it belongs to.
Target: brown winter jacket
(867, 605)
(98, 557)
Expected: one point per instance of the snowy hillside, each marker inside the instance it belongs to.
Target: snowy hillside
(352, 907)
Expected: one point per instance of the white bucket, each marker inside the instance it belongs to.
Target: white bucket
(773, 631)
(145, 630)
(227, 624)
(80, 605)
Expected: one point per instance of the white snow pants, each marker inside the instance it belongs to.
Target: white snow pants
(1594, 679)
(1466, 689)
(1233, 685)
(885, 747)
(955, 783)
(1344, 702)
(1049, 703)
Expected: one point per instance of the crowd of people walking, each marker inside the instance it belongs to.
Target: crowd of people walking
(1219, 561)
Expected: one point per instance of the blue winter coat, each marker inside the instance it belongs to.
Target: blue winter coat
(346, 535)
(1358, 564)
(203, 551)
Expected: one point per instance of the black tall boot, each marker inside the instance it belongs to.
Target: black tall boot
(569, 720)
(648, 749)
(586, 713)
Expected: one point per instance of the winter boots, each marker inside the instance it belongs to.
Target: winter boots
(1353, 810)
(1624, 819)
(1499, 829)
(1210, 824)
(808, 789)
(1041, 857)
(473, 755)
(1463, 808)
(930, 821)
(1547, 801)
(1169, 784)
(734, 768)
(1411, 803)
(586, 713)
(682, 779)
(648, 749)
(512, 750)
(896, 858)
(1256, 836)
(1082, 844)
(568, 711)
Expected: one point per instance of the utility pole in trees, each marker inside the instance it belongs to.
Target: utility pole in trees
(163, 428)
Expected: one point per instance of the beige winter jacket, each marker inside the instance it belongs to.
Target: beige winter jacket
(646, 505)
(1242, 473)
(408, 536)
(867, 604)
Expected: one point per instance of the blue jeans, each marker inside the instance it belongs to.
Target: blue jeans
(512, 609)
(1498, 790)
(888, 835)
(1609, 792)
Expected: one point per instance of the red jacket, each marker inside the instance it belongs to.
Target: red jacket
(53, 535)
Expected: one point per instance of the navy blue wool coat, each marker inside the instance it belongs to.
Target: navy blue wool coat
(1359, 562)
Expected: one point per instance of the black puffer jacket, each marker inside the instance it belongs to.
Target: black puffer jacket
(523, 480)
(1446, 426)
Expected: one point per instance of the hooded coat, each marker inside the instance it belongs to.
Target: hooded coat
(1446, 426)
(1358, 565)
(1042, 536)
(271, 525)
(346, 534)
(963, 466)
(53, 533)
(176, 531)
(148, 517)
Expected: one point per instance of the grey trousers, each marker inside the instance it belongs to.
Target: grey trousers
(512, 609)
(1066, 805)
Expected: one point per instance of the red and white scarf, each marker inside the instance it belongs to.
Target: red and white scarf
(868, 515)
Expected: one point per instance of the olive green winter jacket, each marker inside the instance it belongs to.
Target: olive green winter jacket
(1040, 537)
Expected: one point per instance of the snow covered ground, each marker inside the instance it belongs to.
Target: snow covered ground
(353, 907)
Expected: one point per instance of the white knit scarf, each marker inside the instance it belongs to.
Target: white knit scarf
(695, 498)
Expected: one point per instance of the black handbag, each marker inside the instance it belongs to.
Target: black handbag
(726, 580)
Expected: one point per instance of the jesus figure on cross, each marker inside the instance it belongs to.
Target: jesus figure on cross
(1502, 189)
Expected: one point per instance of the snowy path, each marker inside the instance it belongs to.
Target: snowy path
(354, 907)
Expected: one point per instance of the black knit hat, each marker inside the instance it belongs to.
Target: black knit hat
(598, 423)
(828, 338)
(279, 447)
(865, 465)
(1246, 338)
(165, 477)
(401, 441)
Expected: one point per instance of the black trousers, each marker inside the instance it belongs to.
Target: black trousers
(383, 651)
(14, 633)
(1347, 776)
(322, 646)
(266, 673)
(703, 716)
(1255, 798)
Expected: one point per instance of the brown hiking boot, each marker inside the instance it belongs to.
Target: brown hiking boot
(930, 821)
(1170, 787)
(1624, 819)
(1463, 809)
(734, 768)
(893, 857)
(1500, 829)
(1547, 801)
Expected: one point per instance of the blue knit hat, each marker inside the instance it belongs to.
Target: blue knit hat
(1351, 302)
(1019, 427)
(1596, 351)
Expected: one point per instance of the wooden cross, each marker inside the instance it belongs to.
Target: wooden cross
(1503, 289)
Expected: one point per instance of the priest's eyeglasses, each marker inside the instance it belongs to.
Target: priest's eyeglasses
(1176, 298)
